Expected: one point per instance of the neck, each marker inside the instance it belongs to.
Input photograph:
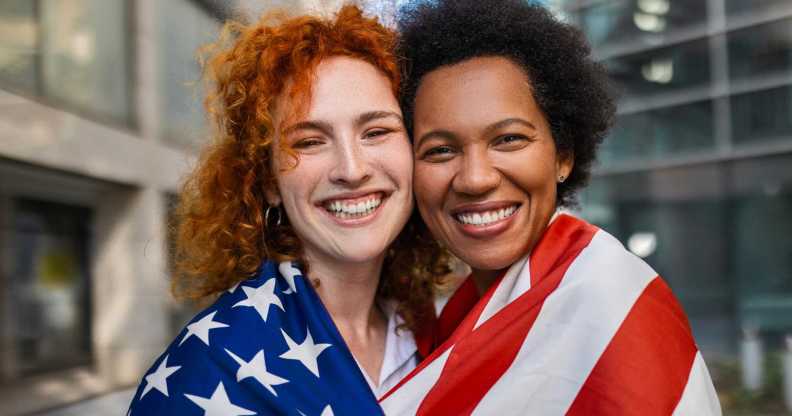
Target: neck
(348, 291)
(484, 279)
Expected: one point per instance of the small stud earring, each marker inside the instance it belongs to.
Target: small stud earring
(561, 178)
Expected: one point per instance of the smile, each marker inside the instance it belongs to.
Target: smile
(485, 218)
(353, 208)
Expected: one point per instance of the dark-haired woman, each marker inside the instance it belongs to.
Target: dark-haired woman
(506, 110)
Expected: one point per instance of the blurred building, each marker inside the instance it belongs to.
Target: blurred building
(100, 116)
(697, 175)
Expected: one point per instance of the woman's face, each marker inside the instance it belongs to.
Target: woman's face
(486, 165)
(350, 193)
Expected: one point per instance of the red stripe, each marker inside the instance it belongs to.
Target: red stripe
(435, 332)
(645, 368)
(481, 356)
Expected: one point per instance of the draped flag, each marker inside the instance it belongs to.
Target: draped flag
(266, 347)
(579, 327)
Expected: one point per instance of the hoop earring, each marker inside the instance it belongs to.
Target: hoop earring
(267, 216)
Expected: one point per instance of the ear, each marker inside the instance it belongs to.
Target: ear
(564, 164)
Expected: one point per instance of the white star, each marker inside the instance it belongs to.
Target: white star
(307, 352)
(261, 298)
(257, 368)
(328, 411)
(202, 327)
(219, 404)
(288, 271)
(158, 379)
(233, 288)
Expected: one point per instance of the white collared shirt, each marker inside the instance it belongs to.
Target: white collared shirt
(401, 355)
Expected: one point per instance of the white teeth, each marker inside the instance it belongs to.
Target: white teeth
(345, 210)
(486, 218)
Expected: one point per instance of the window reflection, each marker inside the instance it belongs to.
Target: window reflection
(662, 70)
(761, 50)
(762, 115)
(644, 21)
(659, 133)
(18, 44)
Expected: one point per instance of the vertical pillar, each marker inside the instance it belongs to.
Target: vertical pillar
(751, 358)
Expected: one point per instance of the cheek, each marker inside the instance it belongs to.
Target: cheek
(431, 183)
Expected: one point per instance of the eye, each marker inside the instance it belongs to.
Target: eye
(438, 153)
(512, 141)
(308, 143)
(375, 133)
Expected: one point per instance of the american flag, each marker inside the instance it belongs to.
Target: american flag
(266, 347)
(579, 327)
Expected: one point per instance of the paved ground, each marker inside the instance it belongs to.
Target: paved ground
(110, 404)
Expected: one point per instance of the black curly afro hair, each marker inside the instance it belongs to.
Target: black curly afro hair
(572, 90)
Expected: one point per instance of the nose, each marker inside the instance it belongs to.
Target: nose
(352, 167)
(476, 175)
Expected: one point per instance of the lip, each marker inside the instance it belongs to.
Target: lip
(488, 231)
(354, 222)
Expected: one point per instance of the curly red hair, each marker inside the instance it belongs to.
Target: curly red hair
(222, 234)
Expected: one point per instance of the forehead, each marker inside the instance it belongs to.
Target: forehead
(340, 87)
(475, 89)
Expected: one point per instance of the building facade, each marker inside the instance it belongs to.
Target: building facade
(697, 174)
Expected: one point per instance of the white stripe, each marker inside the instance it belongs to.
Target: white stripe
(407, 399)
(516, 282)
(573, 328)
(699, 397)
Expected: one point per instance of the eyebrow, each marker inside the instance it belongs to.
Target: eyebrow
(327, 128)
(446, 134)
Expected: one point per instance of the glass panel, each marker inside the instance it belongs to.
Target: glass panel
(49, 286)
(762, 115)
(183, 120)
(761, 50)
(662, 70)
(84, 55)
(741, 6)
(645, 21)
(18, 40)
(658, 133)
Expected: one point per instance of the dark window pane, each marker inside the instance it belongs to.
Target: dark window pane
(645, 21)
(662, 70)
(761, 50)
(658, 133)
(49, 287)
(741, 6)
(762, 115)
(84, 56)
(18, 44)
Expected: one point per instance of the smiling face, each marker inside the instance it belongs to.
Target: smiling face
(486, 165)
(350, 193)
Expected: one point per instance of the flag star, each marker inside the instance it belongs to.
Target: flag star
(202, 327)
(328, 411)
(233, 288)
(289, 272)
(261, 298)
(257, 368)
(307, 352)
(219, 404)
(158, 379)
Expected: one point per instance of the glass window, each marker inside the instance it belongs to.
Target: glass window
(761, 50)
(762, 115)
(18, 44)
(181, 98)
(658, 133)
(741, 6)
(49, 287)
(645, 21)
(662, 70)
(73, 52)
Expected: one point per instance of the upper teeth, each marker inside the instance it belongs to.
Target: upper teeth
(346, 208)
(486, 217)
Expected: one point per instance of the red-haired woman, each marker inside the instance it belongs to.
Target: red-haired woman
(295, 220)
